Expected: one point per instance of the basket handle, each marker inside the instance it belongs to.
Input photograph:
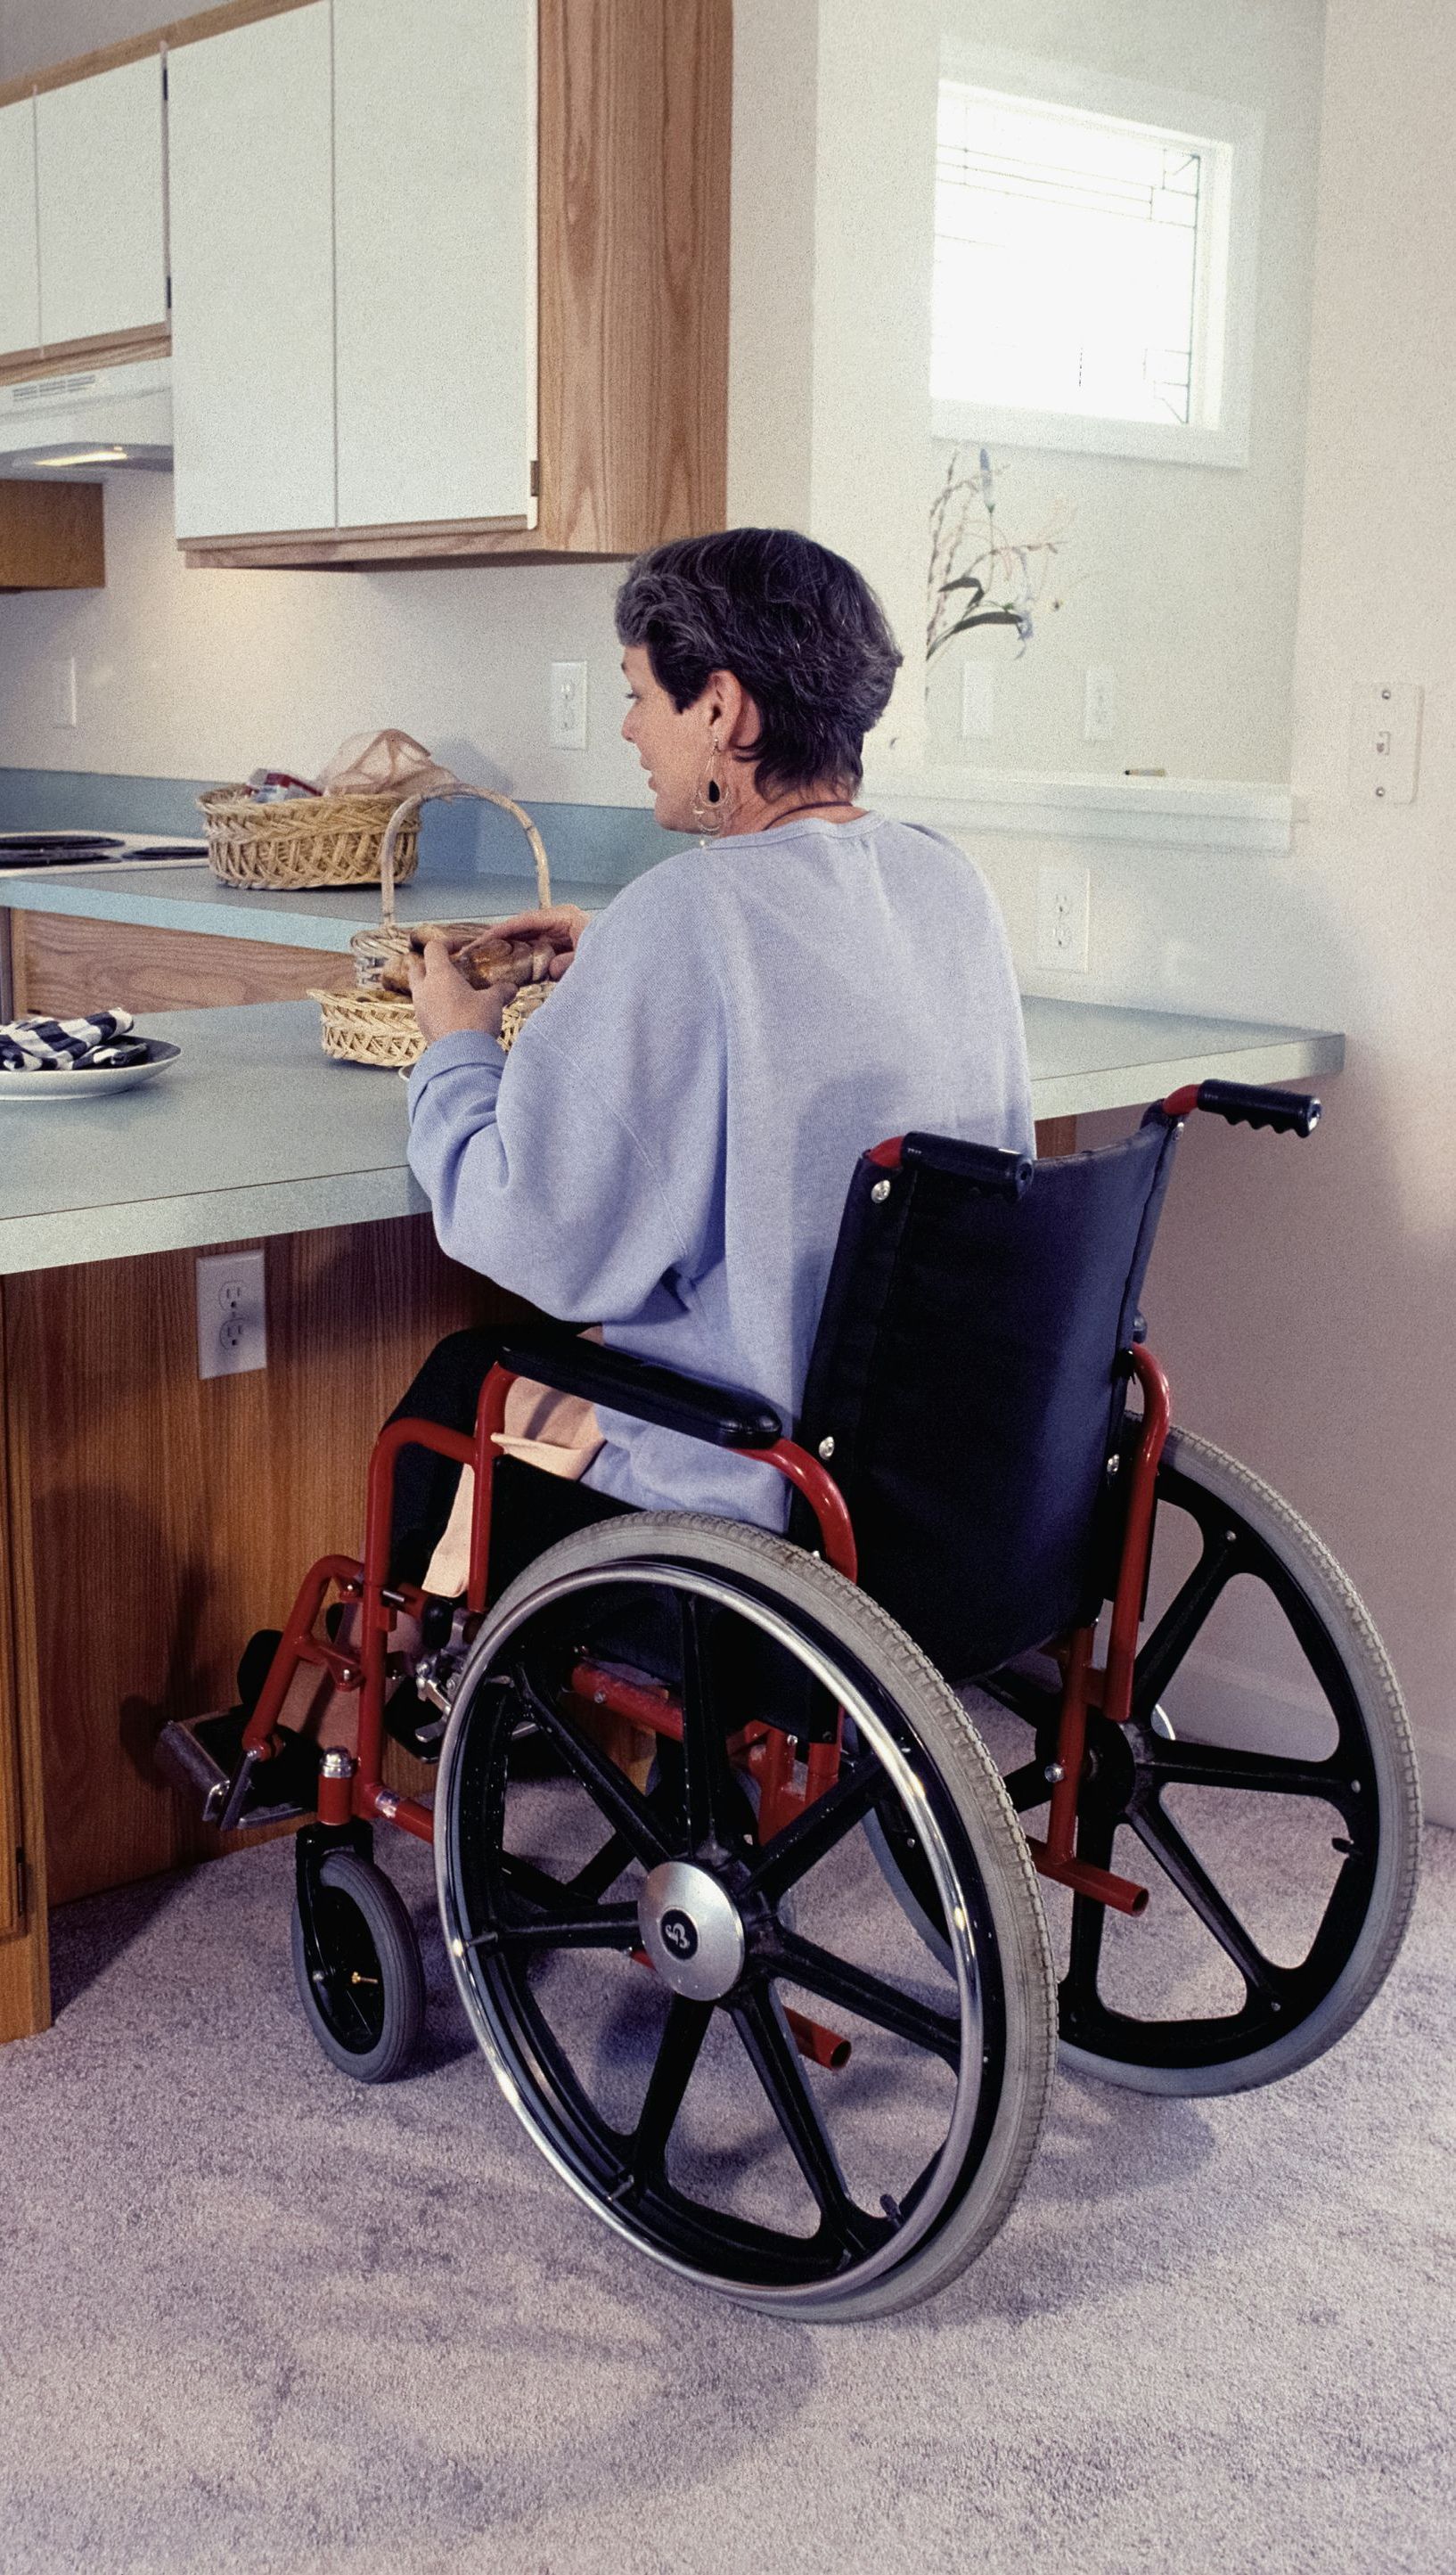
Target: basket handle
(445, 795)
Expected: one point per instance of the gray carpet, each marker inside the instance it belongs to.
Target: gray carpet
(256, 2317)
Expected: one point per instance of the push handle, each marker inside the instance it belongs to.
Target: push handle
(1243, 1104)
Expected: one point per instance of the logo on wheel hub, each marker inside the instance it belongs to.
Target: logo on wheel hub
(679, 1934)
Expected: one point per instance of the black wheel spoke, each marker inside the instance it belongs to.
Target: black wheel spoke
(813, 1833)
(680, 2047)
(610, 1789)
(776, 2062)
(1160, 1835)
(709, 1796)
(856, 1989)
(1212, 1765)
(559, 1918)
(1181, 1623)
(1028, 1787)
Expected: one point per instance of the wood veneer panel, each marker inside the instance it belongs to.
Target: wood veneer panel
(170, 1518)
(51, 536)
(66, 965)
(24, 1962)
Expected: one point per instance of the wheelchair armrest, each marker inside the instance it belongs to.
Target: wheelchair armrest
(722, 1414)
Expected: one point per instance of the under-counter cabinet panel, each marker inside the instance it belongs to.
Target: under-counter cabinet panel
(252, 220)
(435, 232)
(100, 193)
(19, 256)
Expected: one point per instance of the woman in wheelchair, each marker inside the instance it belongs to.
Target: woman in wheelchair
(737, 1901)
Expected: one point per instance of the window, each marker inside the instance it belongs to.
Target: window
(1093, 283)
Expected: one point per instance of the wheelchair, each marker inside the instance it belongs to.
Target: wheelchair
(742, 1913)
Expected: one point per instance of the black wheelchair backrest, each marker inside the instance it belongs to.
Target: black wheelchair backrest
(968, 1377)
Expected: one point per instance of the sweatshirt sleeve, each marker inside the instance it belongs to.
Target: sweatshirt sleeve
(582, 1171)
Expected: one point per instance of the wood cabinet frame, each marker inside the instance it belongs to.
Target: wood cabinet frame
(635, 106)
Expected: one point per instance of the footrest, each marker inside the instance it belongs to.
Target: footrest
(204, 1755)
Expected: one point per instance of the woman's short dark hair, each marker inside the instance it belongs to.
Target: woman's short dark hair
(797, 626)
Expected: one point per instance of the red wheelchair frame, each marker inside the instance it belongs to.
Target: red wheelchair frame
(351, 1787)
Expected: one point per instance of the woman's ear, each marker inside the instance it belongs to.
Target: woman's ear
(732, 712)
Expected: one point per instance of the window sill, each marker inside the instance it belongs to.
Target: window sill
(1168, 813)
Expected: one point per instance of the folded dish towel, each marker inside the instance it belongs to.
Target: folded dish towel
(55, 1046)
(558, 1433)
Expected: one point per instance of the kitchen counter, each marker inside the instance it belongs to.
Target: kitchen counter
(254, 1133)
(193, 899)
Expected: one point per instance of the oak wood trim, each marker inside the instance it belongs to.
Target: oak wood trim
(25, 1992)
(134, 49)
(52, 535)
(70, 357)
(61, 963)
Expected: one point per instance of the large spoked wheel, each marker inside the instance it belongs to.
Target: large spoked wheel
(656, 1987)
(1265, 1793)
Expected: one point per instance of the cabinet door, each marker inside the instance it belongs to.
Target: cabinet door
(103, 256)
(19, 264)
(251, 165)
(435, 205)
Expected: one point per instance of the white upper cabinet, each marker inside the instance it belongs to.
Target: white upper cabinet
(100, 191)
(19, 260)
(251, 181)
(435, 213)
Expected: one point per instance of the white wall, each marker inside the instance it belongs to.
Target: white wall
(1306, 1295)
(1180, 578)
(205, 674)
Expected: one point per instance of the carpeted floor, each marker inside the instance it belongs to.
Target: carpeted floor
(253, 2316)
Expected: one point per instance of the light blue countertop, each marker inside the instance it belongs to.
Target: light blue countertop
(254, 1132)
(178, 898)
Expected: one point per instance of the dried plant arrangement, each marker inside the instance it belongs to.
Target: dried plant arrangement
(1002, 582)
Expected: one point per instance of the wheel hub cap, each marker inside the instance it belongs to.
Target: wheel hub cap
(691, 1930)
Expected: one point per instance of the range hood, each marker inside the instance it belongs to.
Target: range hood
(93, 421)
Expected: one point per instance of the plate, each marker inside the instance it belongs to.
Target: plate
(36, 1088)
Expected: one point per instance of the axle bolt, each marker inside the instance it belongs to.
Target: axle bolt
(1053, 1775)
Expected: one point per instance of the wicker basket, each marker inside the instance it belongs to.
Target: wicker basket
(304, 841)
(372, 1026)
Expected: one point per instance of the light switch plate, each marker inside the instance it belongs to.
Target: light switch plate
(1099, 703)
(568, 706)
(63, 690)
(232, 1313)
(1385, 742)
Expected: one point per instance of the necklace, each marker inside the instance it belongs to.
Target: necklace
(812, 804)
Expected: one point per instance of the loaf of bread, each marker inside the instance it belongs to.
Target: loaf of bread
(482, 956)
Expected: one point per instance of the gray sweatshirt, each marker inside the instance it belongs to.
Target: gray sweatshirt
(667, 1148)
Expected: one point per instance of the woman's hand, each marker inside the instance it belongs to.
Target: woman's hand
(445, 1002)
(563, 923)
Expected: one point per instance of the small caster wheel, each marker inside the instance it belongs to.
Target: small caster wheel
(358, 1969)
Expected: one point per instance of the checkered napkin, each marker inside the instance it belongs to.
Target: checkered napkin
(53, 1046)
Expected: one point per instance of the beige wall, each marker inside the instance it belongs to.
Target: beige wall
(1307, 1293)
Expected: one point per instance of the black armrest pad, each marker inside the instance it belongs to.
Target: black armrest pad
(722, 1414)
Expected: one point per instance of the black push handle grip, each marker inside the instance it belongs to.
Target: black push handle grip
(1242, 1103)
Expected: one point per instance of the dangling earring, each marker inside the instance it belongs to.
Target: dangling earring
(710, 800)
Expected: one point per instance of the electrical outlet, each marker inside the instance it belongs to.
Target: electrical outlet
(1064, 919)
(1099, 705)
(977, 702)
(232, 1313)
(63, 690)
(568, 706)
